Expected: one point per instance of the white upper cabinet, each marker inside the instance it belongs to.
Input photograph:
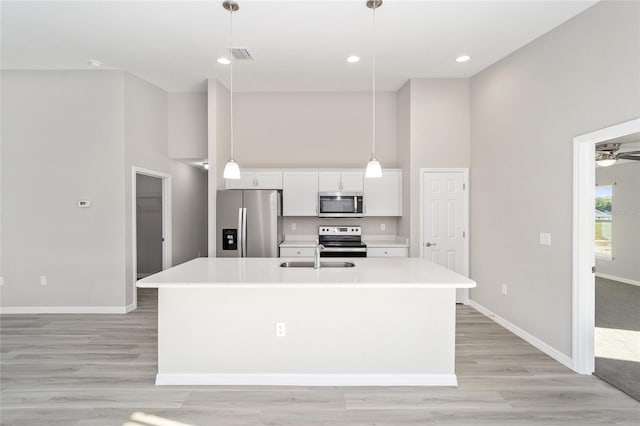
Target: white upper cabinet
(340, 181)
(383, 195)
(256, 179)
(300, 193)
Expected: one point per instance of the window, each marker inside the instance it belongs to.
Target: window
(603, 221)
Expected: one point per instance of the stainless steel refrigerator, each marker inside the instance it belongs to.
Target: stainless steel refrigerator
(249, 223)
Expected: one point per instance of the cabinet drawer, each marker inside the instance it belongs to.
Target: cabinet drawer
(297, 252)
(387, 252)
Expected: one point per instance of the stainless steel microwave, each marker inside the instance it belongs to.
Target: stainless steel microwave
(340, 204)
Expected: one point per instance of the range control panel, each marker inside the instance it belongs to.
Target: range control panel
(339, 230)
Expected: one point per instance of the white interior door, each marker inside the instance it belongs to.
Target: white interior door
(444, 221)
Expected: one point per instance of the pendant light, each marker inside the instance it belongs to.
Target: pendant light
(373, 168)
(231, 169)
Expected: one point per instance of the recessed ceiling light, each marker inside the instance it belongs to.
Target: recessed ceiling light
(353, 59)
(95, 64)
(463, 58)
(224, 61)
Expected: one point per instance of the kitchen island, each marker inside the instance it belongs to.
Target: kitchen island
(382, 322)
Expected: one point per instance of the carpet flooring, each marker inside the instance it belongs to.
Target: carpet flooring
(617, 335)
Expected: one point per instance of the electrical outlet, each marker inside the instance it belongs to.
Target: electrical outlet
(504, 289)
(383, 226)
(293, 226)
(43, 280)
(281, 329)
(545, 238)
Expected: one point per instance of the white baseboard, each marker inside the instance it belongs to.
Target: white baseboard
(620, 279)
(131, 307)
(532, 340)
(308, 379)
(64, 310)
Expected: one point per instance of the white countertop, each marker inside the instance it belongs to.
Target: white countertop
(299, 241)
(211, 272)
(369, 240)
(385, 241)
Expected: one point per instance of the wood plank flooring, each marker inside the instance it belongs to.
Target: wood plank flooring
(86, 370)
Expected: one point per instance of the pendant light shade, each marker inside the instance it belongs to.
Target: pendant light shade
(374, 169)
(231, 169)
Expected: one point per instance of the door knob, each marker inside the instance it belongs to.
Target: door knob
(429, 244)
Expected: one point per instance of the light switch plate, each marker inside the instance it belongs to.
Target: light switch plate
(545, 238)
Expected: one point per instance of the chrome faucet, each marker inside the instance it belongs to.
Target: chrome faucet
(316, 262)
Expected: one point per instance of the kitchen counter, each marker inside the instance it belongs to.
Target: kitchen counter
(299, 241)
(247, 321)
(385, 241)
(206, 272)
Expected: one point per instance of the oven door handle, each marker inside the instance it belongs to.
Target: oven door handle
(345, 249)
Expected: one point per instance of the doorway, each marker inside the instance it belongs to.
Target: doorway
(151, 224)
(149, 238)
(584, 240)
(444, 221)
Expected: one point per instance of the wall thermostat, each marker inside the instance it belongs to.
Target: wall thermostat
(84, 204)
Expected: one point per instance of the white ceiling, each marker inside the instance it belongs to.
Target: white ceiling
(297, 45)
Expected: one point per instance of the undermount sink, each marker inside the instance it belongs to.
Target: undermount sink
(322, 264)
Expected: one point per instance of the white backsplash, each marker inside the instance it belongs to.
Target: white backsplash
(370, 225)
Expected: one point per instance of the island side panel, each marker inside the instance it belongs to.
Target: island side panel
(226, 336)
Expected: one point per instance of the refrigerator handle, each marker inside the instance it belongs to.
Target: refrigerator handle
(244, 232)
(240, 232)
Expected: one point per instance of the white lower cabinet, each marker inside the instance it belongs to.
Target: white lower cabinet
(297, 252)
(387, 252)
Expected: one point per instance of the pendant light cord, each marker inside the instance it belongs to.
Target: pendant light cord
(231, 78)
(373, 114)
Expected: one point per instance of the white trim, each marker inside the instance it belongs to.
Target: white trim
(65, 310)
(131, 307)
(619, 279)
(307, 379)
(529, 338)
(167, 251)
(465, 218)
(583, 236)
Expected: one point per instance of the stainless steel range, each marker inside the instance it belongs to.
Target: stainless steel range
(341, 241)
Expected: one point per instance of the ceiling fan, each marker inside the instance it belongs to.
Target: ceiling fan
(607, 154)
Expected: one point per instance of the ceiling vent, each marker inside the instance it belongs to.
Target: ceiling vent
(241, 53)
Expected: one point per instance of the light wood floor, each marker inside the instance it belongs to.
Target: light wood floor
(100, 369)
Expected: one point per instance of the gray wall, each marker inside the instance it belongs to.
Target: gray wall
(433, 131)
(313, 129)
(63, 140)
(189, 209)
(404, 155)
(525, 110)
(439, 136)
(146, 145)
(625, 223)
(71, 135)
(187, 126)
